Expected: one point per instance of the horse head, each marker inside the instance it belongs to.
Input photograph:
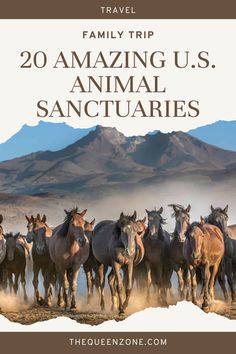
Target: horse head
(127, 231)
(195, 236)
(141, 227)
(11, 245)
(219, 217)
(75, 224)
(37, 229)
(88, 228)
(155, 222)
(182, 220)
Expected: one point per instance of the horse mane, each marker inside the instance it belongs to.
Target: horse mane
(214, 213)
(180, 208)
(122, 222)
(67, 219)
(194, 224)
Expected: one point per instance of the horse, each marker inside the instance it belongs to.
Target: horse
(178, 262)
(139, 273)
(115, 244)
(2, 242)
(204, 247)
(14, 264)
(219, 217)
(69, 249)
(90, 265)
(157, 259)
(40, 234)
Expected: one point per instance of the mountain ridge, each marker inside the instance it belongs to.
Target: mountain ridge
(107, 158)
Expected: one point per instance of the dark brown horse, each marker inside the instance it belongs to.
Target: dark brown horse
(40, 233)
(178, 262)
(69, 249)
(90, 266)
(2, 242)
(157, 256)
(219, 217)
(14, 263)
(115, 244)
(204, 247)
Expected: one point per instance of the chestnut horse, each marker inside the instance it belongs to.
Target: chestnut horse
(157, 255)
(204, 247)
(178, 262)
(69, 249)
(219, 217)
(40, 233)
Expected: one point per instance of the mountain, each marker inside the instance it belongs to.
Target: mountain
(221, 134)
(105, 158)
(44, 136)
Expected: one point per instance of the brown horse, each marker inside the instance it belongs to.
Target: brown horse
(2, 242)
(115, 244)
(178, 262)
(219, 217)
(157, 259)
(14, 263)
(69, 249)
(90, 265)
(205, 248)
(40, 233)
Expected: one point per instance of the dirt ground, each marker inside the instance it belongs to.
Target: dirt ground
(35, 313)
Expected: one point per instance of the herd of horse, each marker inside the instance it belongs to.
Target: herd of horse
(132, 250)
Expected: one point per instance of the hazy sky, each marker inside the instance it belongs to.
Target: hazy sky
(22, 88)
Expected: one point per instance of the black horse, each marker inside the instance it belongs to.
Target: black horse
(14, 264)
(115, 244)
(157, 255)
(178, 261)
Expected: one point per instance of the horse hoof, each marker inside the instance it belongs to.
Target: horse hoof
(121, 312)
(40, 301)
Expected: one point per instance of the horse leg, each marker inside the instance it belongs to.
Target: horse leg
(181, 283)
(36, 270)
(89, 277)
(207, 275)
(193, 284)
(111, 282)
(161, 286)
(10, 282)
(212, 281)
(230, 279)
(116, 268)
(187, 281)
(129, 284)
(149, 280)
(101, 284)
(47, 288)
(73, 287)
(65, 288)
(60, 300)
(221, 280)
(16, 282)
(23, 283)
